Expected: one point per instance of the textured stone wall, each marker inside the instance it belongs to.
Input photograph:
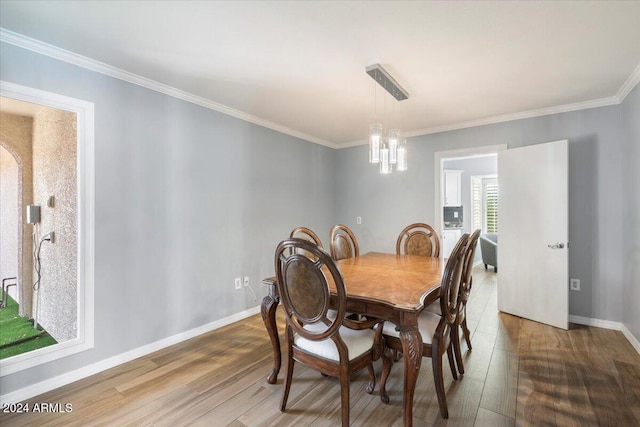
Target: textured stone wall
(15, 138)
(54, 170)
(9, 222)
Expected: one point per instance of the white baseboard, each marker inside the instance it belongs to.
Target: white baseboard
(607, 324)
(598, 323)
(69, 377)
(633, 340)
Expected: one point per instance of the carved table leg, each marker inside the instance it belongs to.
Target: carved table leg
(412, 355)
(268, 309)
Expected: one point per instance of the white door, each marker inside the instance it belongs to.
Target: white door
(533, 233)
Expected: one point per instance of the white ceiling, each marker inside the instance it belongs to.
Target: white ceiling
(300, 66)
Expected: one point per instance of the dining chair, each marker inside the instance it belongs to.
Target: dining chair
(343, 243)
(306, 234)
(466, 282)
(435, 330)
(418, 239)
(463, 295)
(335, 346)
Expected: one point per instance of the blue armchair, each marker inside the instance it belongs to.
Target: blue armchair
(489, 249)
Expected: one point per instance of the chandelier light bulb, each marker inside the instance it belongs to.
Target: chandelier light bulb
(402, 156)
(394, 138)
(375, 137)
(385, 164)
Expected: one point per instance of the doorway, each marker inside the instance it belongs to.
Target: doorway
(464, 163)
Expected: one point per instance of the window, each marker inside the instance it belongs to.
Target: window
(83, 338)
(490, 193)
(484, 203)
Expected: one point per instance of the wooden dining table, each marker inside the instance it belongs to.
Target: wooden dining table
(392, 287)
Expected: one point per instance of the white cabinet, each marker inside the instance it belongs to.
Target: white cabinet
(452, 188)
(449, 240)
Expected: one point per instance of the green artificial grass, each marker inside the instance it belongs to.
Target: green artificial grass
(17, 334)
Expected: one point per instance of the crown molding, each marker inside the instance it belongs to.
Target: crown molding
(602, 102)
(629, 85)
(46, 49)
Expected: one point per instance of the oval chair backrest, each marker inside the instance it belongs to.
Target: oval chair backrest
(303, 273)
(469, 254)
(418, 239)
(450, 285)
(343, 243)
(306, 234)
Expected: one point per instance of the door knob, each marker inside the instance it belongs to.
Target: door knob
(558, 245)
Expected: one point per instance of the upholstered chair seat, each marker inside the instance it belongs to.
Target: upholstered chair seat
(427, 324)
(358, 342)
(489, 249)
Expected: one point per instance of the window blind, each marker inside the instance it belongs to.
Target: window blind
(491, 195)
(476, 202)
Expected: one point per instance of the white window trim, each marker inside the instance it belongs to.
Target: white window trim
(86, 227)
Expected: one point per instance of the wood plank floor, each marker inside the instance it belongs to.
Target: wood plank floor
(518, 373)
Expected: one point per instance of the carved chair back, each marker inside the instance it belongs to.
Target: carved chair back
(450, 285)
(343, 243)
(304, 289)
(467, 280)
(418, 239)
(306, 234)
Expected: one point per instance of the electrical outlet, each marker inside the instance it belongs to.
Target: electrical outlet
(574, 284)
(246, 281)
(238, 283)
(358, 220)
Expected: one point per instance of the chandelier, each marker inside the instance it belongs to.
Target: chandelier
(386, 147)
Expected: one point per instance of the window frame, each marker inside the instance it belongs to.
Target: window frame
(84, 340)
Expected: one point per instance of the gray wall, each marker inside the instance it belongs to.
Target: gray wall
(388, 203)
(469, 168)
(186, 199)
(631, 215)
